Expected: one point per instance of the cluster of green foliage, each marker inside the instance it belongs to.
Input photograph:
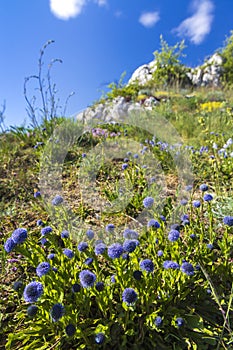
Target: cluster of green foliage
(227, 55)
(169, 69)
(120, 89)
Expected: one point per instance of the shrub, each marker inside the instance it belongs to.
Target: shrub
(169, 69)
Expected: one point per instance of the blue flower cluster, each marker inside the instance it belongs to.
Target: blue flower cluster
(87, 278)
(18, 237)
(42, 269)
(169, 264)
(129, 296)
(100, 249)
(130, 245)
(115, 250)
(57, 312)
(173, 235)
(147, 265)
(57, 200)
(228, 220)
(33, 292)
(148, 202)
(153, 224)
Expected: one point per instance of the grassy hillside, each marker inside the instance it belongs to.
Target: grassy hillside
(119, 235)
(180, 277)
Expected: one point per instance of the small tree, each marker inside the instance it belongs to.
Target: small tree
(169, 69)
(227, 55)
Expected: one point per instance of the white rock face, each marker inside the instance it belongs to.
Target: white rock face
(204, 75)
(143, 74)
(115, 110)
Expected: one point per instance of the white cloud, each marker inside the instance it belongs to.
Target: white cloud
(198, 25)
(149, 19)
(66, 9)
(101, 2)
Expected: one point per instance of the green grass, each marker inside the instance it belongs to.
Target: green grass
(203, 300)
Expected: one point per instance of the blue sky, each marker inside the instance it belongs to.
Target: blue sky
(97, 41)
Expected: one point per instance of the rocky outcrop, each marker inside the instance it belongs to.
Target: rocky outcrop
(143, 74)
(208, 74)
(115, 110)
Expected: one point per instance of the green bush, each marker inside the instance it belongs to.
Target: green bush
(227, 55)
(169, 69)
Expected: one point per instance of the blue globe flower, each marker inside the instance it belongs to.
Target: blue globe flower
(129, 296)
(137, 275)
(37, 194)
(100, 248)
(187, 268)
(169, 264)
(113, 279)
(124, 166)
(33, 292)
(158, 321)
(153, 224)
(46, 230)
(65, 234)
(162, 218)
(17, 285)
(57, 312)
(43, 241)
(115, 250)
(87, 278)
(147, 265)
(76, 288)
(88, 261)
(160, 253)
(148, 202)
(57, 200)
(204, 188)
(173, 235)
(196, 204)
(99, 286)
(228, 220)
(130, 245)
(184, 217)
(32, 310)
(180, 321)
(68, 252)
(90, 234)
(208, 197)
(184, 202)
(110, 228)
(210, 246)
(82, 246)
(130, 234)
(51, 256)
(70, 330)
(39, 222)
(99, 338)
(9, 245)
(19, 235)
(42, 269)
